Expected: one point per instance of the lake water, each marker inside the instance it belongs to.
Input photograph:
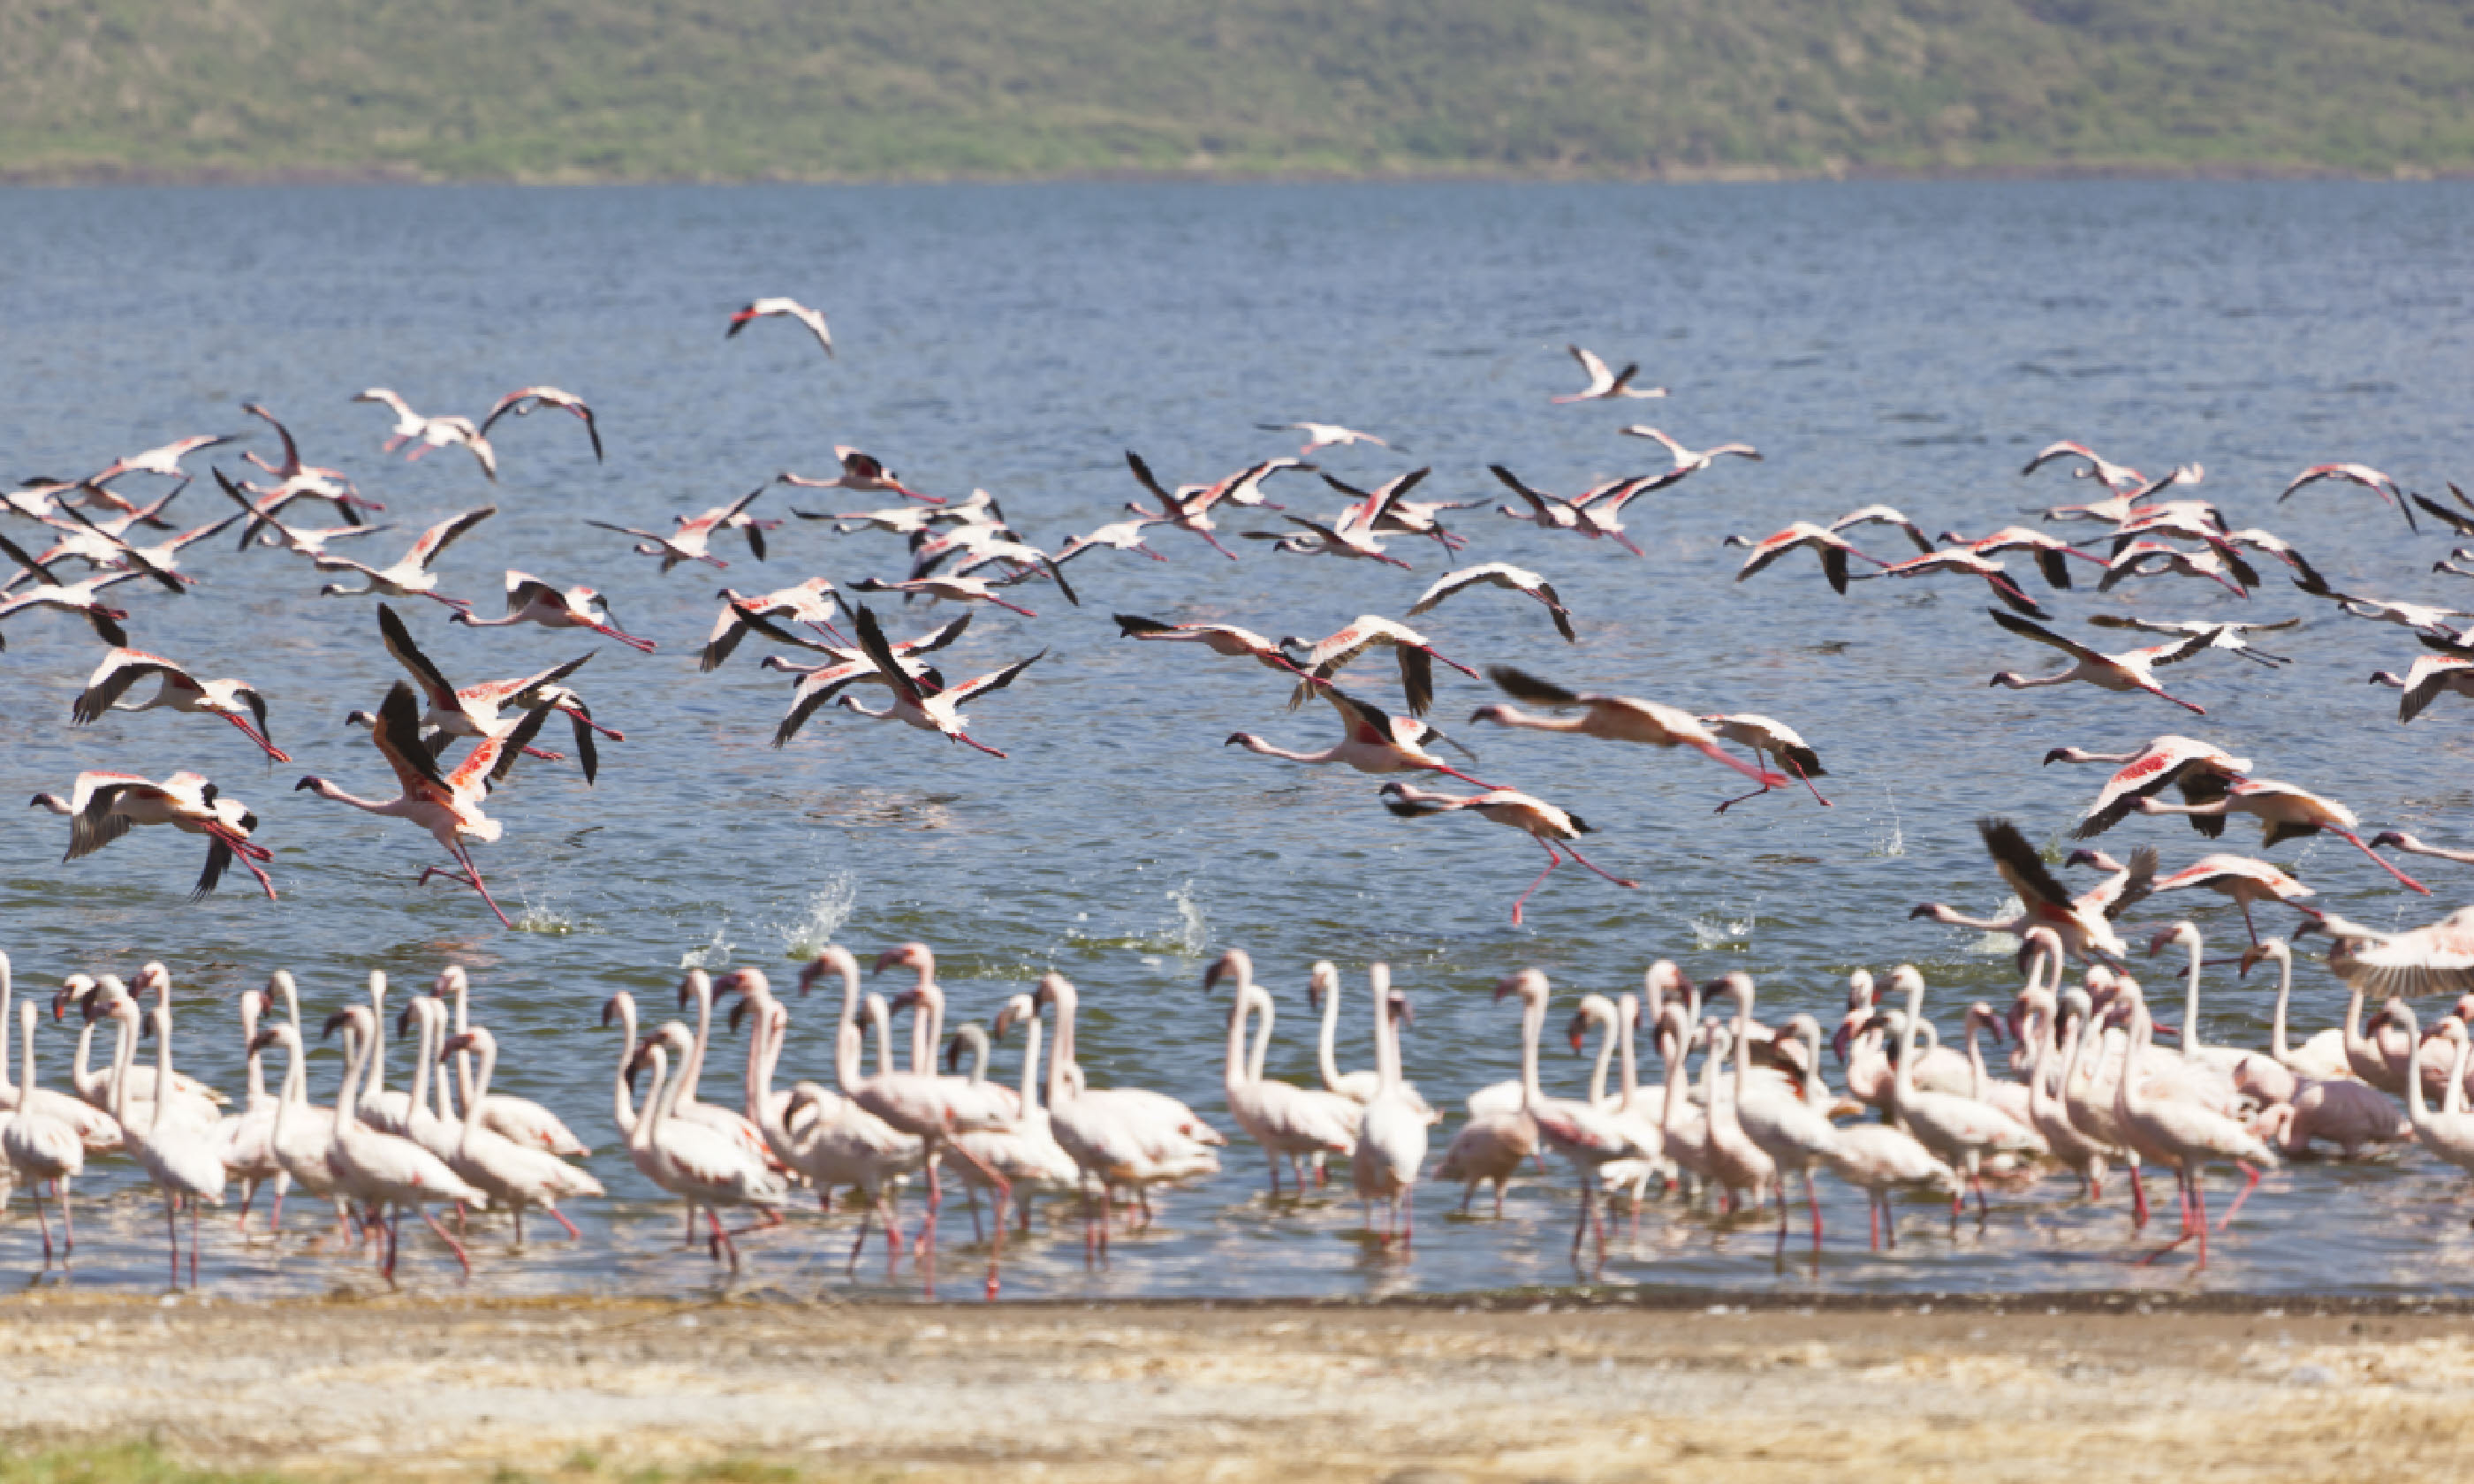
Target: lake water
(1908, 343)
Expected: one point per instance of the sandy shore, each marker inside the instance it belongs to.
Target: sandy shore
(1525, 1389)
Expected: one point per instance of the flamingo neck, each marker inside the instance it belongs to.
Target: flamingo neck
(1030, 1067)
(1533, 1024)
(1903, 1079)
(1626, 1014)
(1608, 1034)
(2277, 1044)
(691, 1063)
(2132, 1097)
(2418, 1109)
(425, 1042)
(1671, 1048)
(1233, 1077)
(480, 1091)
(2190, 1003)
(26, 1050)
(1328, 1063)
(622, 1105)
(658, 1099)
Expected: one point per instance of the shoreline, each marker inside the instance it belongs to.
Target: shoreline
(447, 1388)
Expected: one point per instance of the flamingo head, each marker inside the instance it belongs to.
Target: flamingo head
(351, 1016)
(1015, 1010)
(1235, 964)
(832, 958)
(476, 1038)
(1498, 714)
(2276, 949)
(1322, 979)
(2185, 933)
(1403, 1013)
(1528, 984)
(693, 986)
(911, 955)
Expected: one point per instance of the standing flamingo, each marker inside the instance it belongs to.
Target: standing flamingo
(41, 1147)
(2188, 1135)
(1289, 1121)
(1391, 1141)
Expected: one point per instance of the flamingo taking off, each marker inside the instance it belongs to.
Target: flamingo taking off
(104, 806)
(410, 577)
(1375, 741)
(2285, 812)
(1832, 548)
(2130, 670)
(860, 470)
(1498, 574)
(2082, 922)
(1327, 656)
(235, 700)
(532, 601)
(1534, 816)
(2239, 876)
(917, 701)
(1612, 718)
(1224, 639)
(1323, 435)
(692, 540)
(2201, 770)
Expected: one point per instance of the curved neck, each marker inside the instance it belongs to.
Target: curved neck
(256, 1064)
(345, 1101)
(1671, 1046)
(26, 1050)
(2451, 1102)
(1902, 1078)
(2132, 1098)
(657, 1098)
(378, 1054)
(1626, 1014)
(481, 1088)
(2417, 1110)
(1608, 1034)
(124, 1054)
(81, 1075)
(1976, 1077)
(1234, 1076)
(1533, 1024)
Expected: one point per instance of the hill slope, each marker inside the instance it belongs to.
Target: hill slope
(550, 89)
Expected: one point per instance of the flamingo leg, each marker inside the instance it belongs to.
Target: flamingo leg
(44, 1221)
(1215, 544)
(2159, 692)
(1729, 804)
(465, 859)
(559, 1217)
(1873, 1217)
(1593, 866)
(965, 736)
(1812, 1203)
(640, 646)
(2199, 1204)
(1805, 781)
(1442, 767)
(172, 1236)
(2252, 1174)
(193, 1241)
(1553, 860)
(2138, 1198)
(2355, 841)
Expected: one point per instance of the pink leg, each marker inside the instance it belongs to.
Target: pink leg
(2250, 1183)
(1216, 547)
(559, 1217)
(2355, 841)
(965, 736)
(44, 1221)
(193, 1242)
(462, 1257)
(1872, 1214)
(1806, 782)
(1630, 886)
(1452, 772)
(1812, 1202)
(475, 871)
(2138, 1199)
(1553, 860)
(640, 646)
(2199, 1204)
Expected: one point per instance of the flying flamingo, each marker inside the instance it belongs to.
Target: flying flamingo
(2201, 770)
(1605, 385)
(2048, 552)
(1327, 656)
(2152, 558)
(524, 401)
(787, 308)
(1540, 820)
(300, 540)
(1692, 461)
(2363, 474)
(78, 597)
(1186, 513)
(1394, 516)
(1546, 511)
(845, 667)
(692, 540)
(448, 805)
(532, 601)
(235, 700)
(164, 462)
(104, 806)
(1391, 1144)
(951, 590)
(1116, 536)
(812, 603)
(2285, 812)
(2239, 878)
(1896, 519)
(1966, 563)
(2428, 678)
(2130, 670)
(1832, 548)
(1498, 574)
(2112, 476)
(1774, 739)
(1612, 718)
(919, 702)
(477, 710)
(1224, 639)
(296, 480)
(1323, 435)
(861, 471)
(2410, 845)
(1374, 742)
(411, 576)
(2437, 958)
(2234, 638)
(424, 434)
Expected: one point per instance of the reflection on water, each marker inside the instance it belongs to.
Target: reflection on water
(1911, 344)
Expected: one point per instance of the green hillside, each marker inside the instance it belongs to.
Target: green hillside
(729, 89)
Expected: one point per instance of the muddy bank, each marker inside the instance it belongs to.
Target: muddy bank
(426, 1389)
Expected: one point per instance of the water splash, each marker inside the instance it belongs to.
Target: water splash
(714, 953)
(549, 921)
(1193, 931)
(827, 911)
(1720, 931)
(1893, 843)
(2000, 944)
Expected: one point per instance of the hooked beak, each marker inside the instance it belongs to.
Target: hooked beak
(338, 1018)
(1841, 1040)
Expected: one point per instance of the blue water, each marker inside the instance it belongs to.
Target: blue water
(1908, 343)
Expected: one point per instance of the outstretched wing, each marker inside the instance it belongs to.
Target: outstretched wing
(1143, 477)
(1521, 686)
(111, 680)
(984, 683)
(2021, 869)
(872, 640)
(2029, 630)
(438, 537)
(398, 735)
(407, 653)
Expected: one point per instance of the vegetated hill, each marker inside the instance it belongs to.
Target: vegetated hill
(720, 89)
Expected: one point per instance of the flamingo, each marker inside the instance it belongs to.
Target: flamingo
(1605, 386)
(1691, 461)
(2083, 920)
(812, 603)
(2153, 559)
(164, 462)
(1499, 574)
(1322, 994)
(2188, 1136)
(296, 480)
(192, 1100)
(2412, 845)
(1966, 563)
(1117, 1136)
(2437, 958)
(1896, 519)
(1587, 1136)
(740, 1129)
(2450, 1133)
(2047, 551)
(2239, 878)
(248, 1138)
(235, 700)
(919, 702)
(1327, 656)
(1024, 1152)
(2112, 476)
(181, 1158)
(1223, 640)
(1185, 512)
(2285, 812)
(94, 1128)
(518, 1119)
(524, 401)
(448, 805)
(1767, 736)
(786, 308)
(2130, 670)
(692, 540)
(825, 1138)
(515, 1176)
(104, 806)
(1374, 741)
(1832, 548)
(1391, 1143)
(39, 1145)
(703, 1168)
(411, 576)
(951, 590)
(1959, 1129)
(1794, 1133)
(532, 601)
(1352, 535)
(300, 540)
(1116, 536)
(2428, 678)
(161, 561)
(424, 434)
(2202, 771)
(861, 471)
(1546, 511)
(821, 684)
(2234, 638)
(1289, 1121)
(2363, 474)
(1392, 515)
(81, 597)
(1612, 718)
(1540, 820)
(303, 1136)
(2048, 1113)
(1323, 435)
